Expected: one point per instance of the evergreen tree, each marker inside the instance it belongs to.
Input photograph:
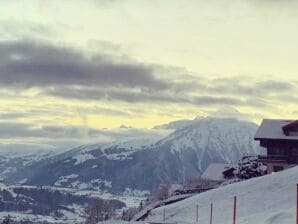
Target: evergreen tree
(249, 167)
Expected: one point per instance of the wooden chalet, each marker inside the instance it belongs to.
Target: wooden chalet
(280, 138)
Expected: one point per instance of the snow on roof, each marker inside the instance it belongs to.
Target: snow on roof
(272, 129)
(214, 171)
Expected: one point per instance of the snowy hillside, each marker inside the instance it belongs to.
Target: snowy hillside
(12, 160)
(265, 200)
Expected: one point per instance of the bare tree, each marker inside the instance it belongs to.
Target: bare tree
(98, 210)
(161, 192)
(128, 214)
(7, 220)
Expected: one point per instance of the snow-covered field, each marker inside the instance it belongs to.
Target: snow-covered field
(68, 218)
(130, 199)
(74, 212)
(269, 199)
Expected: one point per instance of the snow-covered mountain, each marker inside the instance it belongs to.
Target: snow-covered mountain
(13, 160)
(264, 200)
(135, 167)
(213, 140)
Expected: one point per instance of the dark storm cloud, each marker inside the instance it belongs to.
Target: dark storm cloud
(29, 64)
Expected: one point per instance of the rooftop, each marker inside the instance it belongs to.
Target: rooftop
(215, 171)
(274, 129)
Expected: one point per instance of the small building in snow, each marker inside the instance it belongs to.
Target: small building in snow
(280, 138)
(229, 173)
(219, 171)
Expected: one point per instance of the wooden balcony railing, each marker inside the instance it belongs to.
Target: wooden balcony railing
(274, 158)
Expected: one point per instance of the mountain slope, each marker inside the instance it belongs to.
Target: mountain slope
(123, 167)
(13, 160)
(213, 140)
(265, 200)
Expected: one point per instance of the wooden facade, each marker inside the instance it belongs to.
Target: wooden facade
(281, 142)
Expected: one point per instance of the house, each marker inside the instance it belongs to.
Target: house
(280, 138)
(219, 171)
(229, 173)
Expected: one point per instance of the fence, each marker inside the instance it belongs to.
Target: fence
(234, 211)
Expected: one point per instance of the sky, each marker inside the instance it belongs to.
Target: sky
(75, 70)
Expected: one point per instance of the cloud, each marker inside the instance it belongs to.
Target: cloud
(25, 130)
(10, 130)
(130, 96)
(247, 87)
(55, 111)
(209, 100)
(70, 73)
(32, 64)
(12, 115)
(274, 86)
(11, 29)
(237, 94)
(15, 135)
(228, 112)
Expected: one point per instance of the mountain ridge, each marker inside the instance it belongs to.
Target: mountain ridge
(184, 153)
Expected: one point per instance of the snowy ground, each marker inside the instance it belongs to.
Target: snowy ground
(129, 199)
(76, 213)
(17, 216)
(265, 200)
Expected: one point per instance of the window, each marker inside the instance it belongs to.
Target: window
(277, 168)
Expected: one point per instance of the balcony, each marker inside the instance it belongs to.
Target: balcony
(274, 158)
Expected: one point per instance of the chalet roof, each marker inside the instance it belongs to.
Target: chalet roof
(290, 127)
(273, 129)
(215, 171)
